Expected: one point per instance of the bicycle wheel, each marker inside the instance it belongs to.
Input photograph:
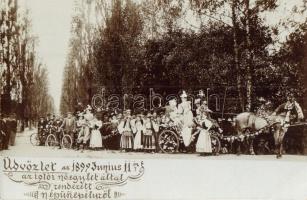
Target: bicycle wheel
(51, 141)
(168, 141)
(216, 144)
(66, 142)
(34, 139)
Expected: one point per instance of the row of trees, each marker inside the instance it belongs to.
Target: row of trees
(129, 47)
(23, 79)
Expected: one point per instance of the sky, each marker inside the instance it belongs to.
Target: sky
(51, 24)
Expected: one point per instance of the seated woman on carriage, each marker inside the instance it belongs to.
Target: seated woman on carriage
(171, 112)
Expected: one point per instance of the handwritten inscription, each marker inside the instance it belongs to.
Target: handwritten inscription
(72, 179)
(13, 165)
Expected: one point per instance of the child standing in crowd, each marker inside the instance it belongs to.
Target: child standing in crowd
(125, 129)
(139, 132)
(96, 139)
(150, 128)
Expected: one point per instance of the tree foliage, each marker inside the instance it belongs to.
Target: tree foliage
(137, 46)
(24, 84)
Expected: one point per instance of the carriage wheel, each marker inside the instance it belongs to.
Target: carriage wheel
(51, 141)
(216, 144)
(34, 139)
(168, 141)
(66, 142)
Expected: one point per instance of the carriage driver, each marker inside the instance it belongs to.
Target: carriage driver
(292, 109)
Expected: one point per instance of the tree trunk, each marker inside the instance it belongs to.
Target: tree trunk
(236, 54)
(7, 88)
(249, 67)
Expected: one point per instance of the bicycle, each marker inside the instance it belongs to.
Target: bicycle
(37, 139)
(52, 139)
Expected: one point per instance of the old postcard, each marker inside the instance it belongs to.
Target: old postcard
(153, 99)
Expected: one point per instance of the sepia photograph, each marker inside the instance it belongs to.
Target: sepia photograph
(153, 99)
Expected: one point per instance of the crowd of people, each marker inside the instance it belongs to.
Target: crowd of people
(136, 130)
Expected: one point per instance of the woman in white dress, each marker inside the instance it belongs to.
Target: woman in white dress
(203, 145)
(96, 138)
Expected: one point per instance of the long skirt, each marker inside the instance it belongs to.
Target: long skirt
(126, 141)
(138, 141)
(149, 140)
(186, 135)
(203, 144)
(96, 139)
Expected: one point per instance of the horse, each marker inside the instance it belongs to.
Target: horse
(248, 121)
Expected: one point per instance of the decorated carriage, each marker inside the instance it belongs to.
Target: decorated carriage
(170, 138)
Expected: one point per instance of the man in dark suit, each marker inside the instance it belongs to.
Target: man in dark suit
(5, 132)
(42, 123)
